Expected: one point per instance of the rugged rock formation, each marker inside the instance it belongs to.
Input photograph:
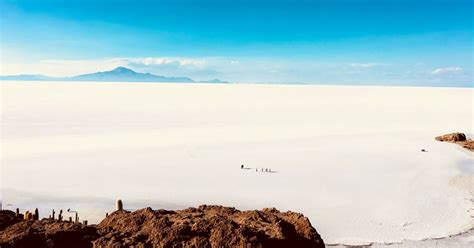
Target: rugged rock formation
(47, 233)
(452, 137)
(205, 226)
(458, 138)
(8, 218)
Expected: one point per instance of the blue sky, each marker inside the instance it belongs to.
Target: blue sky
(383, 42)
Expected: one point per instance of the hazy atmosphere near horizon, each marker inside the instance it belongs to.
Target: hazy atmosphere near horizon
(284, 123)
(368, 42)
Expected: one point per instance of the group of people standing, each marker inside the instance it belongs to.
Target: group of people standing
(262, 170)
(256, 169)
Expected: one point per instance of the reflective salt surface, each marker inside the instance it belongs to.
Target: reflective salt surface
(347, 157)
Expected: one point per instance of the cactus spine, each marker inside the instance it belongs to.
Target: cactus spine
(119, 205)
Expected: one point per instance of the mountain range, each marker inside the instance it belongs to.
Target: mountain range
(119, 74)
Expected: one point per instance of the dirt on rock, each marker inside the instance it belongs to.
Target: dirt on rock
(205, 226)
(458, 138)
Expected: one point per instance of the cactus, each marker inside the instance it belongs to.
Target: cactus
(60, 216)
(36, 215)
(106, 215)
(119, 205)
(27, 215)
(85, 222)
(17, 212)
(76, 219)
(53, 214)
(70, 219)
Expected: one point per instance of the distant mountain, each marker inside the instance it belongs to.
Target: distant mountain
(119, 74)
(26, 77)
(214, 81)
(122, 74)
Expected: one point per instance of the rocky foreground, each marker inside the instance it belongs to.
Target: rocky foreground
(205, 226)
(458, 138)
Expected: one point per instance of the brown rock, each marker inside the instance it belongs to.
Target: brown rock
(452, 137)
(8, 218)
(209, 226)
(468, 144)
(458, 138)
(205, 226)
(47, 233)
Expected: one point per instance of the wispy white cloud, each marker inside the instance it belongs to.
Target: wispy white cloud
(367, 65)
(200, 68)
(447, 70)
(167, 61)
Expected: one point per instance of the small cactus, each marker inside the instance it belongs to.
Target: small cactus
(85, 222)
(17, 212)
(27, 215)
(76, 218)
(106, 215)
(36, 215)
(70, 219)
(53, 214)
(60, 216)
(119, 205)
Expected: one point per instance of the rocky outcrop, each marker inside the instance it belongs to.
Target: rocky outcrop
(458, 138)
(46, 233)
(205, 226)
(8, 218)
(468, 144)
(452, 137)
